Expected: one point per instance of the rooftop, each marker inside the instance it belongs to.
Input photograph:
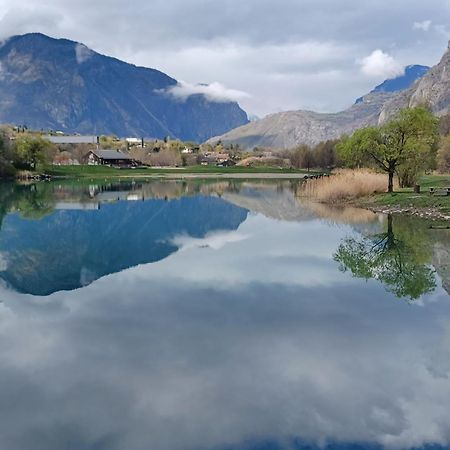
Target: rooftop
(111, 154)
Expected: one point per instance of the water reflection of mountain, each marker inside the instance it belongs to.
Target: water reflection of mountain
(274, 201)
(71, 248)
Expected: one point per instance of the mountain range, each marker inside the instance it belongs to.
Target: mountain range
(418, 86)
(59, 84)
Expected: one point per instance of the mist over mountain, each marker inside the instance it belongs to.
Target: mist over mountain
(63, 85)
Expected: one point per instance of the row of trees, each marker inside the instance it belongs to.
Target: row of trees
(324, 155)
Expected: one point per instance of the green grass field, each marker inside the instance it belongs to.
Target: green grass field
(108, 172)
(407, 198)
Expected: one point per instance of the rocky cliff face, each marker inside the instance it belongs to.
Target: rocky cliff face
(63, 85)
(432, 90)
(402, 82)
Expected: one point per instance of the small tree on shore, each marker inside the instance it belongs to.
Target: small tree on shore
(405, 144)
(443, 155)
(34, 151)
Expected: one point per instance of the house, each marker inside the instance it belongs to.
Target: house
(218, 159)
(208, 160)
(227, 163)
(112, 158)
(133, 142)
(222, 157)
(74, 139)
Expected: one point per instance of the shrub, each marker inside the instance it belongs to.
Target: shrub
(443, 156)
(343, 185)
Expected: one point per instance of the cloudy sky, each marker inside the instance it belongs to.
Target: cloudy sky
(270, 56)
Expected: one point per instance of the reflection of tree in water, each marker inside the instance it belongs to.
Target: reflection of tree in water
(32, 201)
(400, 261)
(36, 201)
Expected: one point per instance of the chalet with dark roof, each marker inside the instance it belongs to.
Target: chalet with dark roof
(112, 158)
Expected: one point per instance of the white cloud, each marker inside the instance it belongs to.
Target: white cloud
(215, 92)
(216, 241)
(422, 26)
(29, 19)
(83, 53)
(380, 65)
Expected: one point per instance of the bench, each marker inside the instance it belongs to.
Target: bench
(444, 191)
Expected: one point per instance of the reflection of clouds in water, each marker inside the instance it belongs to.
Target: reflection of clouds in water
(166, 367)
(215, 241)
(439, 355)
(3, 262)
(162, 357)
(292, 253)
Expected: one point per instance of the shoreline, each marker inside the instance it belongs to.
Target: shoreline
(192, 175)
(420, 212)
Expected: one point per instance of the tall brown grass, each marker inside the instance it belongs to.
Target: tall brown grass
(344, 185)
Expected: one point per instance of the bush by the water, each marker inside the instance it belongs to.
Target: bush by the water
(345, 184)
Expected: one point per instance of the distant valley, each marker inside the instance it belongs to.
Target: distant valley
(61, 85)
(419, 85)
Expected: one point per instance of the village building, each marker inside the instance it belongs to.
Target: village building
(73, 139)
(217, 159)
(112, 158)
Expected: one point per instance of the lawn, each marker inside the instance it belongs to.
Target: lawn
(102, 171)
(407, 198)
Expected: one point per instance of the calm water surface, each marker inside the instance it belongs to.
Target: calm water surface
(218, 315)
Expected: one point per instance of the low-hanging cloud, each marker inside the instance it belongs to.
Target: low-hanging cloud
(83, 53)
(380, 65)
(422, 26)
(215, 92)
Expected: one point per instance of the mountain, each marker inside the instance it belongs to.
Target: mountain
(41, 260)
(288, 129)
(432, 90)
(63, 85)
(402, 82)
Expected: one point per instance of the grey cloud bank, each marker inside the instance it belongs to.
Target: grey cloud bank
(284, 55)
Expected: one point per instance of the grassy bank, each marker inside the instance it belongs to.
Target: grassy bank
(406, 198)
(108, 172)
(368, 189)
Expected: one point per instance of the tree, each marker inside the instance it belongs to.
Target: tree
(302, 157)
(406, 143)
(7, 169)
(444, 125)
(325, 154)
(443, 155)
(34, 150)
(400, 264)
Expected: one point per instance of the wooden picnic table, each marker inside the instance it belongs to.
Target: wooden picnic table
(444, 191)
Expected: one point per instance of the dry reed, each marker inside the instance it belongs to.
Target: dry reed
(345, 185)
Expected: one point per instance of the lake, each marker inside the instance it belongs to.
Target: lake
(225, 315)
